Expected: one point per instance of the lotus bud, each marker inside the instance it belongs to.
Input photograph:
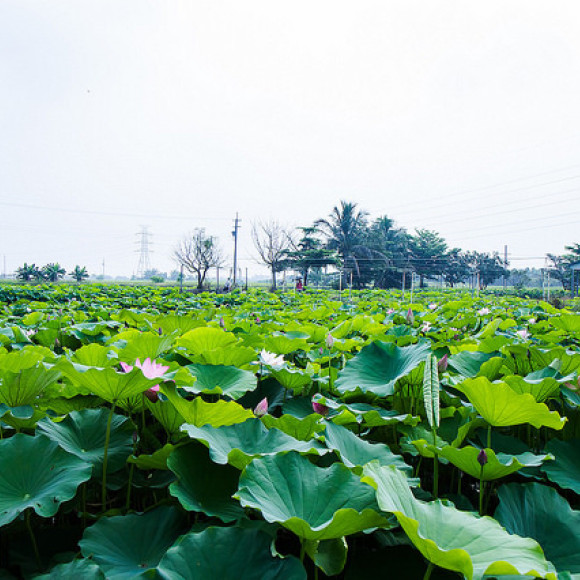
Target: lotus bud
(329, 341)
(482, 457)
(222, 323)
(135, 437)
(261, 408)
(152, 395)
(443, 363)
(160, 331)
(410, 316)
(320, 408)
(258, 320)
(56, 343)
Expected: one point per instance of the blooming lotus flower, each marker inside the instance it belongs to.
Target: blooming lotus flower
(271, 360)
(426, 327)
(483, 311)
(320, 408)
(261, 408)
(524, 334)
(258, 320)
(151, 370)
(410, 316)
(390, 311)
(329, 341)
(532, 321)
(482, 457)
(432, 306)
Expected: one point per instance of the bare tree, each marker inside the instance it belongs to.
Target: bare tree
(197, 253)
(272, 242)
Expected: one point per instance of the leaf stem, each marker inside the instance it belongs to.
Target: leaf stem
(32, 538)
(429, 571)
(105, 458)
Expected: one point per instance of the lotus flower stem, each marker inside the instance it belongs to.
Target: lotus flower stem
(302, 550)
(429, 571)
(32, 538)
(481, 486)
(105, 457)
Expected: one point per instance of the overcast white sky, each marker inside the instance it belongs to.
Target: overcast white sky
(462, 117)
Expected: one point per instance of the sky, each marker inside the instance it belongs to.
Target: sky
(460, 117)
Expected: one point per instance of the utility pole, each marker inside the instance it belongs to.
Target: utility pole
(246, 279)
(103, 268)
(505, 262)
(235, 234)
(143, 243)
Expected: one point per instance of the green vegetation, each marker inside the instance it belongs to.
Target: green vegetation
(148, 433)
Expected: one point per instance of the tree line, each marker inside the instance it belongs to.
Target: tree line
(52, 272)
(367, 253)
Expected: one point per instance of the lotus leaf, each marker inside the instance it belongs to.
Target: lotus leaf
(221, 380)
(239, 444)
(36, 473)
(85, 569)
(453, 539)
(128, 547)
(198, 412)
(539, 512)
(501, 406)
(378, 366)
(83, 434)
(329, 503)
(228, 554)
(200, 340)
(203, 485)
(565, 470)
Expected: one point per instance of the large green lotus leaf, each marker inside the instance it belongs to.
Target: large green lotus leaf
(109, 384)
(313, 502)
(295, 379)
(36, 473)
(175, 323)
(199, 340)
(302, 429)
(363, 413)
(468, 363)
(23, 387)
(453, 539)
(354, 451)
(497, 466)
(565, 470)
(221, 380)
(94, 355)
(328, 555)
(570, 323)
(537, 511)
(234, 356)
(541, 389)
(145, 345)
(501, 406)
(83, 434)
(228, 554)
(166, 414)
(280, 344)
(378, 366)
(198, 412)
(202, 485)
(157, 460)
(239, 444)
(19, 360)
(131, 546)
(75, 570)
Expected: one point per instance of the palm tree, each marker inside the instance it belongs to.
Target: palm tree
(79, 274)
(27, 272)
(53, 272)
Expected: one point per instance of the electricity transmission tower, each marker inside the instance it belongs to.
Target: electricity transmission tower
(143, 243)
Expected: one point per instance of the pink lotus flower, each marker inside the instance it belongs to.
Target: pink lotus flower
(432, 306)
(320, 408)
(390, 311)
(483, 311)
(151, 370)
(426, 327)
(524, 334)
(410, 316)
(261, 408)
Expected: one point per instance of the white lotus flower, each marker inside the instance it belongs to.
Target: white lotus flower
(271, 360)
(483, 311)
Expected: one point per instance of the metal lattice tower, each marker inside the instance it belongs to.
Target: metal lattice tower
(143, 243)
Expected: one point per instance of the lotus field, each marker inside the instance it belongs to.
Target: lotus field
(152, 434)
